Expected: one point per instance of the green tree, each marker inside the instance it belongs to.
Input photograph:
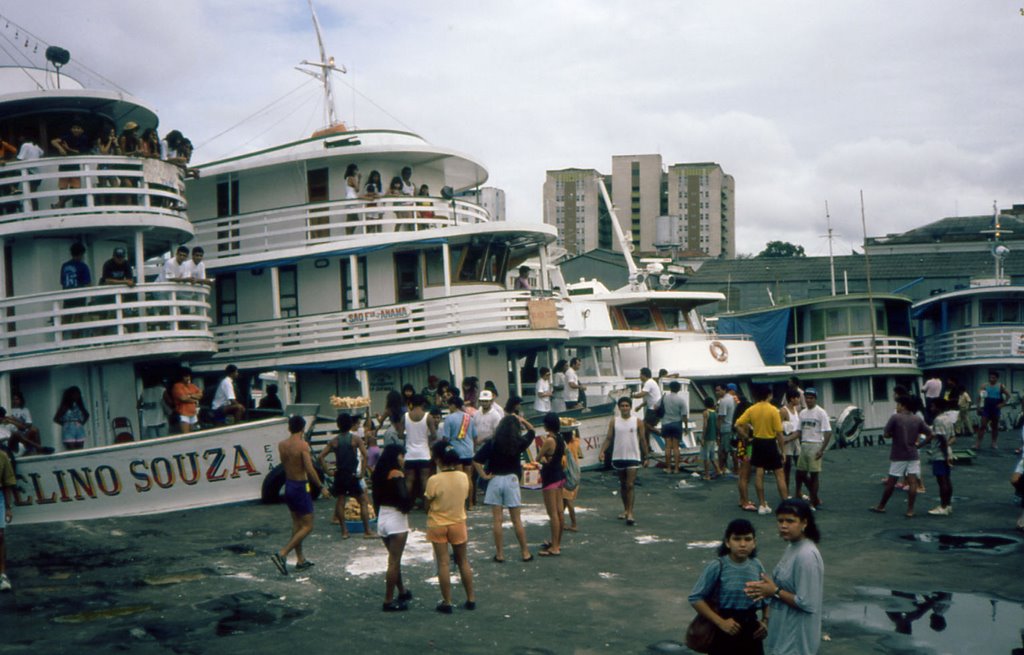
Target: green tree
(782, 249)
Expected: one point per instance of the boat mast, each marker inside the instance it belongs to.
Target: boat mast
(831, 260)
(871, 298)
(624, 243)
(326, 65)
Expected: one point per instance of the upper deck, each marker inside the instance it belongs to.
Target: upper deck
(978, 326)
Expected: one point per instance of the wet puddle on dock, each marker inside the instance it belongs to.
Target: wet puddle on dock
(945, 623)
(993, 543)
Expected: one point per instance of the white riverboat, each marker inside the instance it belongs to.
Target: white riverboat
(104, 338)
(853, 348)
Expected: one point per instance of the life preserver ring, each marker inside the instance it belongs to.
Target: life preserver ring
(718, 351)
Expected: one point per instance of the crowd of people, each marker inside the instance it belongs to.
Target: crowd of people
(103, 139)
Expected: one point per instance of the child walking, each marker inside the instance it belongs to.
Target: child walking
(573, 457)
(944, 434)
(446, 496)
(720, 595)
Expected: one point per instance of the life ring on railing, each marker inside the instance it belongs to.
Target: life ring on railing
(719, 351)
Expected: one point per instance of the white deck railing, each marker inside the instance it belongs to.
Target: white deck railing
(971, 344)
(30, 189)
(311, 224)
(402, 326)
(103, 315)
(843, 353)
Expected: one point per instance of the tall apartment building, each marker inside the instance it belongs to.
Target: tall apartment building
(573, 204)
(686, 208)
(490, 198)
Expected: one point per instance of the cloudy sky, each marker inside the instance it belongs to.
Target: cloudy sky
(918, 103)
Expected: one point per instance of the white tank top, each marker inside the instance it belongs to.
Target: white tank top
(789, 426)
(416, 439)
(627, 441)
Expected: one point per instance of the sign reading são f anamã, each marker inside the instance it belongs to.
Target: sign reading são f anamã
(212, 467)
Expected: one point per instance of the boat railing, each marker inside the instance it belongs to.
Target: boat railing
(853, 352)
(315, 223)
(398, 325)
(66, 187)
(714, 336)
(103, 315)
(994, 342)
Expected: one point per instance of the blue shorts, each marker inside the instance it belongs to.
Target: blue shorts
(296, 496)
(991, 409)
(503, 490)
(672, 430)
(941, 469)
(346, 483)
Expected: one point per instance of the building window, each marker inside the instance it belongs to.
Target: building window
(842, 391)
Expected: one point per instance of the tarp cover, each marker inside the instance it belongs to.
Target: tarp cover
(768, 329)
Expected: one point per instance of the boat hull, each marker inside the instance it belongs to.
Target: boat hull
(212, 467)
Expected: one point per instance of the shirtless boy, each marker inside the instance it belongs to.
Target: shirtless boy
(298, 471)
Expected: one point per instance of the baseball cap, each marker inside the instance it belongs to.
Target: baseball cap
(120, 252)
(811, 391)
(486, 395)
(732, 387)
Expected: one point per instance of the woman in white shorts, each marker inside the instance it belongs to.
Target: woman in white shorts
(392, 503)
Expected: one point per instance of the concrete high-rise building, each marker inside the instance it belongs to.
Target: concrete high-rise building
(490, 198)
(688, 208)
(701, 197)
(573, 204)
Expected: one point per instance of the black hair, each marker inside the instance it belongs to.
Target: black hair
(77, 249)
(408, 387)
(763, 392)
(793, 393)
(560, 366)
(551, 423)
(297, 424)
(542, 371)
(351, 170)
(709, 402)
(455, 401)
(182, 249)
(444, 452)
(388, 462)
(345, 422)
(418, 400)
(394, 407)
(511, 404)
(737, 527)
(506, 437)
(198, 250)
(674, 386)
(624, 399)
(230, 368)
(802, 510)
(645, 372)
(271, 389)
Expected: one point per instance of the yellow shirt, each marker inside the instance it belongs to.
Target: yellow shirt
(447, 492)
(764, 418)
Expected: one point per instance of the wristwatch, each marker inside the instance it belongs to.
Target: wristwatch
(778, 592)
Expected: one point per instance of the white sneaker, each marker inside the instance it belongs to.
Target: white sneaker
(5, 584)
(764, 510)
(940, 511)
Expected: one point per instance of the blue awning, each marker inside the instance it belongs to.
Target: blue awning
(768, 329)
(395, 360)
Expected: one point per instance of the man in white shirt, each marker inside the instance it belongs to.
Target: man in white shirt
(225, 403)
(28, 152)
(815, 434)
(932, 391)
(487, 418)
(172, 269)
(194, 270)
(651, 393)
(573, 389)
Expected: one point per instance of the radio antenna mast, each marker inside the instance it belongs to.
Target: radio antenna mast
(325, 66)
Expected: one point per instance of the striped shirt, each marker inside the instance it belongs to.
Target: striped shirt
(731, 592)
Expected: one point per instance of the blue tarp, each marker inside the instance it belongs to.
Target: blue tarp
(397, 360)
(768, 330)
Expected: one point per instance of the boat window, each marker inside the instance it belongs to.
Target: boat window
(897, 321)
(434, 265)
(1010, 311)
(407, 278)
(841, 390)
(836, 322)
(317, 190)
(472, 264)
(605, 361)
(817, 325)
(289, 285)
(482, 260)
(879, 388)
(227, 298)
(346, 283)
(958, 315)
(638, 318)
(227, 205)
(860, 322)
(673, 318)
